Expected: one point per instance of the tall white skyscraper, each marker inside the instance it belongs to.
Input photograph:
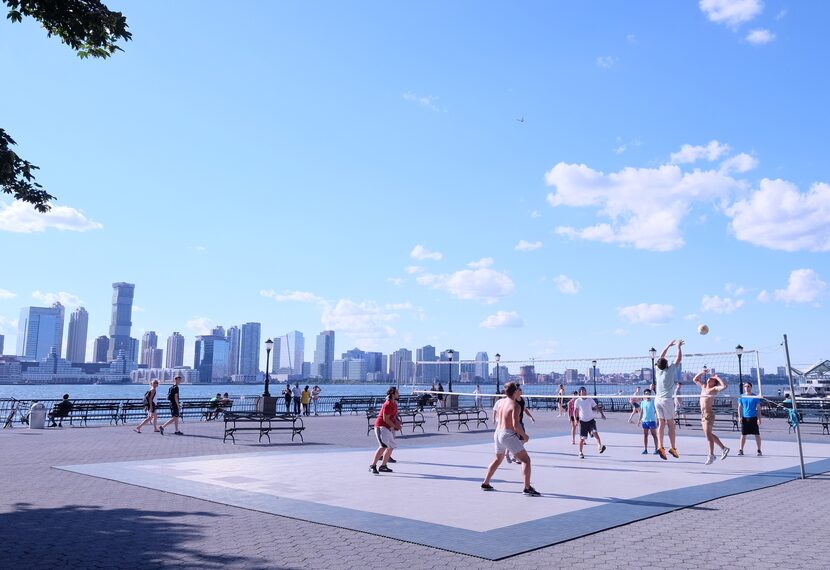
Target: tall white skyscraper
(59, 332)
(482, 366)
(149, 342)
(233, 354)
(323, 355)
(39, 330)
(292, 352)
(249, 343)
(76, 337)
(175, 351)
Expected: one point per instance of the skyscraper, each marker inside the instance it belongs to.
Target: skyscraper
(444, 371)
(401, 366)
(249, 342)
(121, 323)
(211, 358)
(292, 352)
(426, 373)
(76, 339)
(323, 355)
(149, 342)
(482, 366)
(100, 348)
(175, 351)
(38, 331)
(59, 331)
(233, 354)
(2, 341)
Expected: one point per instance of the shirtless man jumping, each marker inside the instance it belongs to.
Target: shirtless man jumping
(509, 435)
(708, 391)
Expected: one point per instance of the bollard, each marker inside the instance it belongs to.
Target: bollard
(37, 416)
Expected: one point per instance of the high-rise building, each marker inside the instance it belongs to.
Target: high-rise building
(401, 366)
(175, 351)
(76, 338)
(59, 332)
(218, 331)
(323, 355)
(374, 362)
(444, 371)
(249, 343)
(292, 352)
(482, 367)
(100, 348)
(426, 373)
(38, 331)
(2, 342)
(233, 355)
(149, 342)
(211, 358)
(782, 371)
(121, 322)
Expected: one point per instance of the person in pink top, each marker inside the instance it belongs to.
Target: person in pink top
(572, 417)
(385, 426)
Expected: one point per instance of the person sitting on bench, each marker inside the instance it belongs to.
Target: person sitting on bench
(61, 410)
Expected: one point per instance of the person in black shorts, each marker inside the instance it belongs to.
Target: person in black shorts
(175, 407)
(749, 410)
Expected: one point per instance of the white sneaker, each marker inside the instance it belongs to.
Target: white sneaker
(709, 460)
(724, 453)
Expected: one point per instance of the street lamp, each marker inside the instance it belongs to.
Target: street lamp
(739, 350)
(594, 364)
(498, 357)
(449, 355)
(652, 352)
(269, 344)
(267, 404)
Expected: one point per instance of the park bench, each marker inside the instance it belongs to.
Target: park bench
(412, 418)
(354, 404)
(461, 417)
(263, 424)
(82, 412)
(812, 417)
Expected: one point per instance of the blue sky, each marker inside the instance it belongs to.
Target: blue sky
(362, 168)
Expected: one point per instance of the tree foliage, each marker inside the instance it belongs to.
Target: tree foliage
(89, 28)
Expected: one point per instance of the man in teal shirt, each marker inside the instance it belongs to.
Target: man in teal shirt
(749, 410)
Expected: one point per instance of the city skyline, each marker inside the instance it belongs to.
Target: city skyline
(669, 170)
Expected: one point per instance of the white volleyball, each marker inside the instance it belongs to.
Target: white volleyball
(702, 329)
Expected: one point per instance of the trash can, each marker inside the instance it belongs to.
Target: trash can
(37, 416)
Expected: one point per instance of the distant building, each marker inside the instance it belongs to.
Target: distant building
(426, 373)
(782, 370)
(527, 374)
(292, 351)
(233, 350)
(753, 372)
(100, 349)
(76, 338)
(39, 329)
(211, 358)
(571, 376)
(55, 370)
(444, 370)
(164, 375)
(249, 343)
(482, 367)
(59, 333)
(121, 323)
(175, 351)
(323, 356)
(401, 366)
(2, 342)
(149, 341)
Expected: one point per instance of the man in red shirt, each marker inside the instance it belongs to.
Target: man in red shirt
(385, 426)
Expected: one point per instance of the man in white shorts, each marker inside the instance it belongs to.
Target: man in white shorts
(385, 426)
(663, 401)
(509, 436)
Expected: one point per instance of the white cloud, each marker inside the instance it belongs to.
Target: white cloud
(421, 253)
(200, 325)
(426, 101)
(654, 314)
(396, 281)
(412, 269)
(690, 317)
(690, 153)
(716, 304)
(481, 263)
(778, 216)
(764, 296)
(739, 163)
(64, 298)
(646, 205)
(502, 319)
(137, 309)
(731, 12)
(6, 294)
(535, 214)
(19, 217)
(804, 286)
(298, 296)
(781, 14)
(760, 37)
(606, 61)
(480, 284)
(735, 290)
(7, 326)
(366, 322)
(527, 245)
(631, 38)
(566, 285)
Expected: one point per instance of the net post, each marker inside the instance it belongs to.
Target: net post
(758, 372)
(795, 407)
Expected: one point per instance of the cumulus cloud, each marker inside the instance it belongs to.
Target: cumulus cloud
(412, 269)
(804, 286)
(7, 325)
(644, 313)
(605, 61)
(396, 281)
(739, 163)
(566, 285)
(367, 322)
(502, 319)
(19, 217)
(731, 12)
(426, 101)
(481, 263)
(298, 296)
(691, 153)
(6, 294)
(778, 216)
(716, 304)
(64, 298)
(421, 253)
(760, 37)
(200, 325)
(480, 283)
(527, 245)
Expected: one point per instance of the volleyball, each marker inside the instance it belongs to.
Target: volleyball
(702, 329)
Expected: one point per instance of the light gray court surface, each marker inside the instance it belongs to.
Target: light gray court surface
(433, 497)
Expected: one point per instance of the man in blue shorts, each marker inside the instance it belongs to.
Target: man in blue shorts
(648, 419)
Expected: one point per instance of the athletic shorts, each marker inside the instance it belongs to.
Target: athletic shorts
(587, 428)
(707, 417)
(635, 405)
(507, 440)
(665, 408)
(749, 426)
(649, 425)
(573, 419)
(386, 437)
(174, 410)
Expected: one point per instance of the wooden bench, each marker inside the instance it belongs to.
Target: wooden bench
(412, 418)
(354, 404)
(263, 424)
(461, 417)
(82, 412)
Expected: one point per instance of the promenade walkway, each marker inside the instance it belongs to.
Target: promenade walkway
(119, 499)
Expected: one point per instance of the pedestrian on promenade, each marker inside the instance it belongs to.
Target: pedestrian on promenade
(175, 407)
(664, 380)
(509, 436)
(149, 408)
(440, 395)
(648, 421)
(295, 393)
(708, 390)
(305, 400)
(749, 410)
(477, 393)
(560, 401)
(634, 400)
(572, 416)
(385, 426)
(315, 394)
(584, 410)
(287, 395)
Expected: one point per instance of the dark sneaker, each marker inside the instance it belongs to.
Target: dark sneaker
(602, 449)
(392, 460)
(581, 455)
(740, 452)
(674, 453)
(662, 453)
(177, 433)
(384, 469)
(373, 469)
(487, 487)
(161, 430)
(759, 453)
(531, 492)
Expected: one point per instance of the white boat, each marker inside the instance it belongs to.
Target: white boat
(814, 381)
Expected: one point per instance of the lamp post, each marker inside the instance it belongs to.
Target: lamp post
(450, 397)
(739, 350)
(652, 352)
(594, 364)
(498, 358)
(269, 344)
(267, 404)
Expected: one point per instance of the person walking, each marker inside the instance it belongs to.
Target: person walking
(149, 408)
(584, 409)
(477, 393)
(440, 395)
(749, 410)
(175, 407)
(572, 416)
(315, 395)
(385, 426)
(664, 380)
(287, 395)
(295, 393)
(560, 401)
(708, 390)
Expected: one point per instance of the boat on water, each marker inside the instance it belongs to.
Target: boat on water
(812, 382)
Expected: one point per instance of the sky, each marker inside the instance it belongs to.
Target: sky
(544, 180)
